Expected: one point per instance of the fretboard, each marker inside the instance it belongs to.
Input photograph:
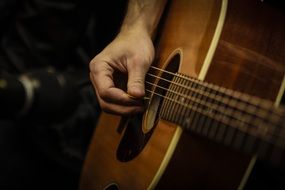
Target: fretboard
(249, 124)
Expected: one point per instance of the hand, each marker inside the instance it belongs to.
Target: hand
(130, 53)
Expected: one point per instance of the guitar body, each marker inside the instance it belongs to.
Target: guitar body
(244, 42)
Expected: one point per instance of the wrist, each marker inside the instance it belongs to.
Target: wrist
(143, 16)
(138, 28)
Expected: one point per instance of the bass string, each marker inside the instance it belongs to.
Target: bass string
(237, 118)
(211, 106)
(212, 96)
(217, 89)
(225, 120)
(215, 97)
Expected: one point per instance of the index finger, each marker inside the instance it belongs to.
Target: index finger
(103, 81)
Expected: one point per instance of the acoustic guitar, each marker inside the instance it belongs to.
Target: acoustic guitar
(210, 112)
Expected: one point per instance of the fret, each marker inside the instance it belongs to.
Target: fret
(183, 109)
(188, 112)
(192, 113)
(261, 113)
(176, 97)
(164, 107)
(198, 107)
(166, 104)
(241, 119)
(230, 131)
(252, 109)
(240, 137)
(221, 117)
(209, 107)
(171, 111)
(200, 117)
(245, 123)
(182, 102)
(170, 103)
(214, 106)
(207, 122)
(249, 140)
(221, 127)
(260, 127)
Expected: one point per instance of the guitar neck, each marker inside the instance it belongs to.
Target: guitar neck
(249, 124)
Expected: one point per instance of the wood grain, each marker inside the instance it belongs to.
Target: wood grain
(193, 36)
(250, 57)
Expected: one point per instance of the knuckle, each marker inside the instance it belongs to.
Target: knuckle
(138, 81)
(93, 66)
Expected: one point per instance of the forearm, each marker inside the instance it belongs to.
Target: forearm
(131, 53)
(143, 15)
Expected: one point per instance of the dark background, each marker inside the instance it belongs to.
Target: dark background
(63, 35)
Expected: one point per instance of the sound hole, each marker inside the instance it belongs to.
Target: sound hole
(133, 140)
(137, 133)
(165, 77)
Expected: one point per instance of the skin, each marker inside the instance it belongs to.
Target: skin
(130, 53)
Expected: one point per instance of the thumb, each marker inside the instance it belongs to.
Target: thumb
(136, 80)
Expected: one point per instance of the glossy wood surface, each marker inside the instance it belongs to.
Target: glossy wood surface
(250, 57)
(180, 31)
(251, 52)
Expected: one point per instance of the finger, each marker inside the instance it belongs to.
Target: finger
(112, 94)
(136, 81)
(119, 109)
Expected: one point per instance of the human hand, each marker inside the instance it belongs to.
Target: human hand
(130, 53)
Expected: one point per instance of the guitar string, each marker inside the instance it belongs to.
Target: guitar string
(187, 87)
(199, 101)
(274, 124)
(252, 132)
(224, 91)
(216, 98)
(210, 106)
